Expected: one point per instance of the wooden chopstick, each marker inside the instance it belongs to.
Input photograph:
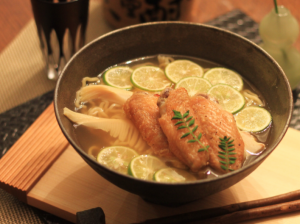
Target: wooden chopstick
(255, 213)
(238, 212)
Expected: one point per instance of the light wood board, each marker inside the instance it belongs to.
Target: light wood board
(43, 170)
(71, 186)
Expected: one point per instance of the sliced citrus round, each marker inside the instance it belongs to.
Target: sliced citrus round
(179, 69)
(224, 76)
(118, 77)
(116, 158)
(229, 98)
(150, 78)
(144, 166)
(194, 85)
(173, 175)
(253, 119)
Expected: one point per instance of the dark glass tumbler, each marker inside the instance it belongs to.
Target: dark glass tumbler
(61, 27)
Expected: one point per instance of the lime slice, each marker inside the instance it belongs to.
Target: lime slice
(194, 85)
(145, 166)
(118, 77)
(116, 158)
(173, 175)
(225, 76)
(229, 98)
(253, 119)
(179, 69)
(149, 78)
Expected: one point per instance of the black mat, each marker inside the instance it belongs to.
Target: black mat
(15, 122)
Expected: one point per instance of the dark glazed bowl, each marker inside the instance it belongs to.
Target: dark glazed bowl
(177, 38)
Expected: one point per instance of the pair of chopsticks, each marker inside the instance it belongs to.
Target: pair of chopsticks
(239, 212)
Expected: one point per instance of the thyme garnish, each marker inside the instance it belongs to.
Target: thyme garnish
(188, 121)
(226, 145)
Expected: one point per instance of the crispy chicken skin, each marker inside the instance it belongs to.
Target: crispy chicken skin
(218, 123)
(153, 118)
(141, 108)
(186, 152)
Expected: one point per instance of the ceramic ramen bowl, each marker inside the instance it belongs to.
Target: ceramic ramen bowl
(177, 38)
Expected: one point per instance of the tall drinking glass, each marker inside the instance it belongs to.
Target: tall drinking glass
(279, 31)
(61, 27)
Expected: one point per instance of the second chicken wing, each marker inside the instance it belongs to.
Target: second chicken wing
(182, 128)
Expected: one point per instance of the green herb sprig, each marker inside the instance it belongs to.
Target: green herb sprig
(187, 122)
(227, 151)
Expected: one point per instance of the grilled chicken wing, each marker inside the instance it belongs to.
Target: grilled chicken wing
(142, 110)
(186, 152)
(218, 123)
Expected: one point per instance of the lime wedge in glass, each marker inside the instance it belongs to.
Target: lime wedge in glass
(194, 85)
(118, 77)
(224, 76)
(150, 78)
(173, 175)
(179, 69)
(253, 119)
(228, 97)
(144, 166)
(116, 158)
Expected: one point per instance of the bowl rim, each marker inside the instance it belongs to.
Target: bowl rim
(201, 181)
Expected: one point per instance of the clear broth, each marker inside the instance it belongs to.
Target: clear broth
(88, 137)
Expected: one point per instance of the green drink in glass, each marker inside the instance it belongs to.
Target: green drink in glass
(279, 31)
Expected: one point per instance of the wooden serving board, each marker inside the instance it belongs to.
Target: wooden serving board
(43, 170)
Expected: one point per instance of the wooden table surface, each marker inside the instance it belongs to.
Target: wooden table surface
(15, 14)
